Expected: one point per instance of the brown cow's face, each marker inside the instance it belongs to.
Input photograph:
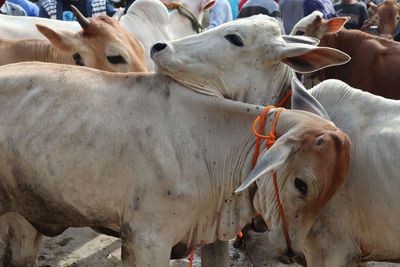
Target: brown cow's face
(104, 45)
(314, 25)
(386, 17)
(108, 46)
(318, 166)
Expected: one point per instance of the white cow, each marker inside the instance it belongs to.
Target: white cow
(90, 94)
(20, 27)
(240, 48)
(107, 150)
(150, 21)
(362, 220)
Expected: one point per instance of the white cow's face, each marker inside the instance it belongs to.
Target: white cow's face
(219, 57)
(238, 58)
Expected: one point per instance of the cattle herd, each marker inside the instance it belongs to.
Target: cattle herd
(170, 145)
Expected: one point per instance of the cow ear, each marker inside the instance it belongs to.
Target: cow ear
(62, 40)
(300, 39)
(306, 58)
(302, 100)
(272, 160)
(334, 24)
(207, 4)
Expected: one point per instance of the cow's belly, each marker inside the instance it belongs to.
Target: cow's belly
(40, 201)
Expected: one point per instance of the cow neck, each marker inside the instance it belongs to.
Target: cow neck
(183, 11)
(262, 91)
(270, 140)
(253, 189)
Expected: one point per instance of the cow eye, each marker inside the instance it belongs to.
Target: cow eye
(301, 186)
(234, 39)
(116, 59)
(300, 33)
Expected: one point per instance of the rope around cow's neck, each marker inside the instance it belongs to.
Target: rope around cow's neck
(186, 12)
(270, 141)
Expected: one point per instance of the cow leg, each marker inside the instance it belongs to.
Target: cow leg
(215, 254)
(143, 248)
(19, 240)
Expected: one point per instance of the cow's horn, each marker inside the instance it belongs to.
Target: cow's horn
(84, 22)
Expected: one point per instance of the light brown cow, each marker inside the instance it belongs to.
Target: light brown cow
(375, 61)
(386, 17)
(102, 43)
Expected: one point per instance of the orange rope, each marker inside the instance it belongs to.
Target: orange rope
(285, 231)
(191, 259)
(270, 140)
(260, 127)
(285, 98)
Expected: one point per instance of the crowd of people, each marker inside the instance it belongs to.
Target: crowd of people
(289, 12)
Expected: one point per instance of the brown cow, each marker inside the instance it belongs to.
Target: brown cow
(102, 43)
(375, 61)
(386, 17)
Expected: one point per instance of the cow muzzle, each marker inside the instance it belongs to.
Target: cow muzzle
(157, 47)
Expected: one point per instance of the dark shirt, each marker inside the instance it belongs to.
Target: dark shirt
(356, 12)
(80, 5)
(325, 6)
(254, 7)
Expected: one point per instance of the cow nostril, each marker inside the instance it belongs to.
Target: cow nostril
(157, 47)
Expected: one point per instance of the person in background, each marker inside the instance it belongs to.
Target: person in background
(242, 2)
(362, 2)
(128, 3)
(220, 13)
(11, 9)
(30, 8)
(61, 9)
(292, 12)
(234, 7)
(357, 13)
(266, 7)
(325, 6)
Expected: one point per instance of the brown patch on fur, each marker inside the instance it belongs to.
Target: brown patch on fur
(334, 154)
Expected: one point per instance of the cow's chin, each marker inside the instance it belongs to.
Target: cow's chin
(165, 66)
(263, 250)
(197, 86)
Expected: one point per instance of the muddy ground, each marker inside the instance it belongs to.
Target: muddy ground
(84, 247)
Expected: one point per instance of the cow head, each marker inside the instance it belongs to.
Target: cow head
(314, 25)
(238, 58)
(312, 160)
(103, 44)
(386, 17)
